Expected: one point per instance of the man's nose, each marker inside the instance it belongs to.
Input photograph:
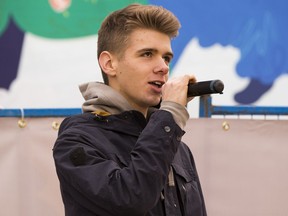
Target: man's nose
(161, 67)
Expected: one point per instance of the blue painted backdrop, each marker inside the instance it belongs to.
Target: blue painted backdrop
(258, 28)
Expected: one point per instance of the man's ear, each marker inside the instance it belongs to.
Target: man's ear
(107, 63)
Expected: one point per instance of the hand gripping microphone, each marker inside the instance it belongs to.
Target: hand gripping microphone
(205, 87)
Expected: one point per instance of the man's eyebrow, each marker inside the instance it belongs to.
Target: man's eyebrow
(146, 50)
(169, 54)
(155, 50)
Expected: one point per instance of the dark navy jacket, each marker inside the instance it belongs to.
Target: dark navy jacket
(119, 165)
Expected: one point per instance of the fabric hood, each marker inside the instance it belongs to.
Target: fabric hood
(99, 96)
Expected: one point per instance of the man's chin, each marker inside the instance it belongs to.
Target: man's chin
(157, 104)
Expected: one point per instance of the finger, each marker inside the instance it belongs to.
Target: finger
(192, 79)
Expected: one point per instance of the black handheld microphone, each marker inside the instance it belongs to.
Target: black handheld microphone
(205, 87)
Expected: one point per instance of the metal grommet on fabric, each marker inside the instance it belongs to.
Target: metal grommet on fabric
(22, 123)
(225, 126)
(167, 129)
(55, 125)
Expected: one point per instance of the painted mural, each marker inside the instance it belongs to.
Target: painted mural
(49, 19)
(258, 28)
(48, 47)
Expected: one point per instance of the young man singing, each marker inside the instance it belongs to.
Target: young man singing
(123, 156)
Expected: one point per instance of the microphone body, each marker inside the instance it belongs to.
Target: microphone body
(205, 87)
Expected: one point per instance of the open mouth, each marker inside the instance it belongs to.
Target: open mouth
(158, 84)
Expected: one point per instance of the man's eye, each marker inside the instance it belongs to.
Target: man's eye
(147, 54)
(167, 59)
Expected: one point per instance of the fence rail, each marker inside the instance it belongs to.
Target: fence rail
(206, 109)
(51, 112)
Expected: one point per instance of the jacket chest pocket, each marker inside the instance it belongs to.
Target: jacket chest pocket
(189, 190)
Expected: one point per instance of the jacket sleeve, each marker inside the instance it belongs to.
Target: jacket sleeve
(100, 185)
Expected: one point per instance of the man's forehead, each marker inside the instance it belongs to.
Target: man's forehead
(149, 40)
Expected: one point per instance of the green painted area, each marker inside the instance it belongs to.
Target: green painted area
(80, 18)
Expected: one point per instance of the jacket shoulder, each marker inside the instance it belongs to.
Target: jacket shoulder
(75, 120)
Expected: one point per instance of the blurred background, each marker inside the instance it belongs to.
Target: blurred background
(48, 47)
